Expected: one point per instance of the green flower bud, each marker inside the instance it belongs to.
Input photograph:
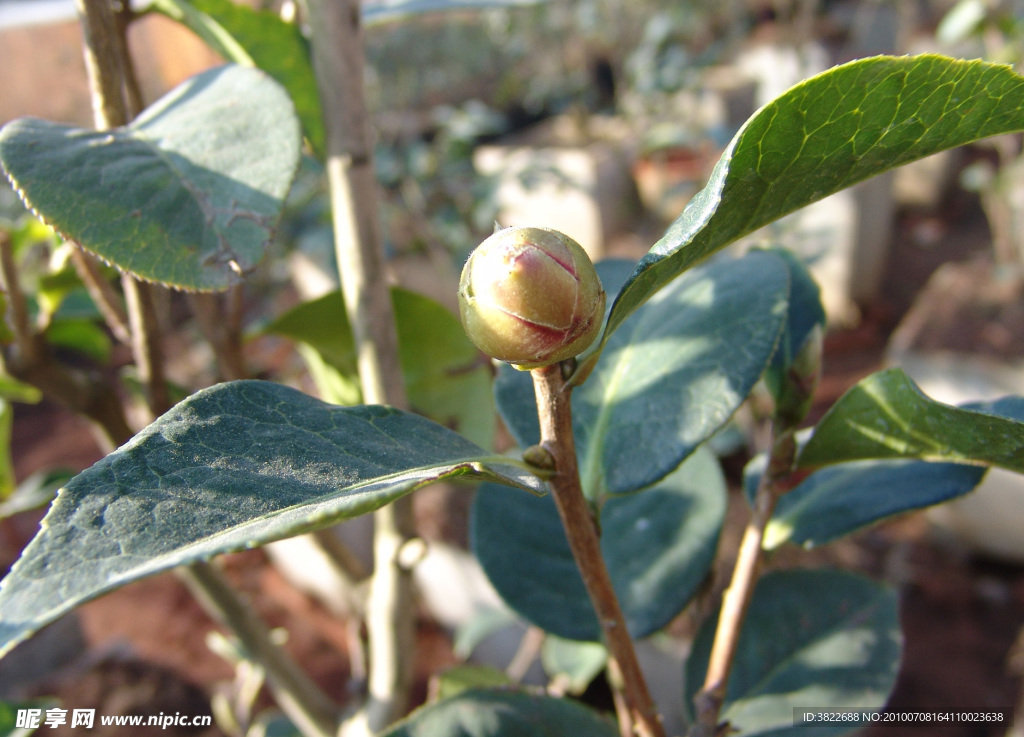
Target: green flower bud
(531, 296)
(795, 388)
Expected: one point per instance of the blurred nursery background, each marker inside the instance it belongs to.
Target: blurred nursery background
(600, 118)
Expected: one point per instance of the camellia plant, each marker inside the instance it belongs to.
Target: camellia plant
(604, 527)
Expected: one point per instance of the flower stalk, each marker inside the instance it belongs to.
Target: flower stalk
(581, 529)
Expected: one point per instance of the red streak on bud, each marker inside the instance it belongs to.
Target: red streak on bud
(531, 296)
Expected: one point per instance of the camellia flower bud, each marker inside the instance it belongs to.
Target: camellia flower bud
(531, 296)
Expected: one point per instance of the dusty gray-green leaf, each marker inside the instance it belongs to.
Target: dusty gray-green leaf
(811, 638)
(887, 416)
(483, 713)
(232, 467)
(827, 133)
(186, 195)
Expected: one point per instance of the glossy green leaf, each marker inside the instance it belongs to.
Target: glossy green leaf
(658, 546)
(675, 373)
(186, 195)
(482, 713)
(671, 376)
(260, 38)
(574, 663)
(887, 416)
(446, 378)
(232, 467)
(812, 638)
(837, 500)
(823, 135)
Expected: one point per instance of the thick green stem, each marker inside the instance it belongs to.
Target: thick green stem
(338, 62)
(555, 411)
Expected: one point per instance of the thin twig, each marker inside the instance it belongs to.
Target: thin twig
(709, 700)
(554, 409)
(619, 698)
(218, 321)
(304, 703)
(103, 295)
(529, 649)
(338, 62)
(147, 343)
(24, 336)
(31, 361)
(736, 600)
